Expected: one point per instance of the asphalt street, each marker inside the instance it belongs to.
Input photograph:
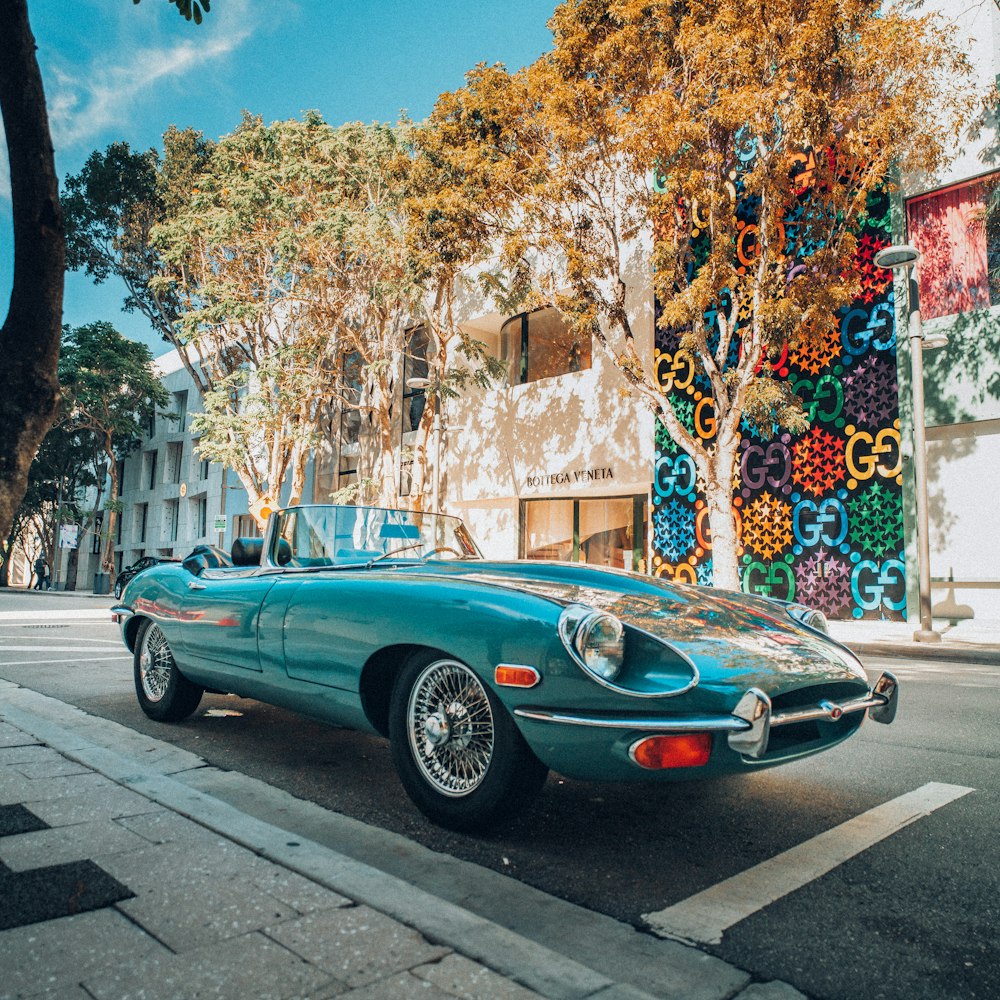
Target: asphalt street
(912, 914)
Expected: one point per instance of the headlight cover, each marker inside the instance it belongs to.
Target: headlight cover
(810, 617)
(595, 639)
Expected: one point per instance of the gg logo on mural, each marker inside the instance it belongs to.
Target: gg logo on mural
(770, 466)
(823, 400)
(674, 371)
(824, 523)
(676, 474)
(875, 585)
(770, 580)
(862, 328)
(867, 454)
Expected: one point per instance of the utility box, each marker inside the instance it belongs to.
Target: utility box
(102, 583)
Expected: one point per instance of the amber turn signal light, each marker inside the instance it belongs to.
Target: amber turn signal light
(516, 675)
(659, 752)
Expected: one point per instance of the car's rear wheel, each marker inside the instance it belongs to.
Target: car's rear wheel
(458, 753)
(164, 693)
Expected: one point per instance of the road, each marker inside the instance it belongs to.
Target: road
(914, 914)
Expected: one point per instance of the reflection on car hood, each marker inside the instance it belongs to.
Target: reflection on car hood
(720, 630)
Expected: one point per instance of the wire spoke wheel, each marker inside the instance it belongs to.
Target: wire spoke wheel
(451, 728)
(155, 664)
(164, 693)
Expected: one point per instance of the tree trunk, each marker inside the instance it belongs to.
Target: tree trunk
(29, 339)
(719, 473)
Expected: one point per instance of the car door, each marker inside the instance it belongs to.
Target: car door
(329, 623)
(220, 616)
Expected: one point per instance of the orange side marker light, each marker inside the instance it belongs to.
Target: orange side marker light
(516, 675)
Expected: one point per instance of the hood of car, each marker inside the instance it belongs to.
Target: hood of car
(724, 633)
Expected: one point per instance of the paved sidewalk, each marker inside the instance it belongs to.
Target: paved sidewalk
(117, 880)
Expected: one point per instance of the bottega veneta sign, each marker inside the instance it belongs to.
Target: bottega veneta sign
(574, 477)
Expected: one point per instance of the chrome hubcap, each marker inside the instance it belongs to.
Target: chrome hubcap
(451, 728)
(155, 664)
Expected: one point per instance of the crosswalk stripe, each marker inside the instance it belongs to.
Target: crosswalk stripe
(704, 917)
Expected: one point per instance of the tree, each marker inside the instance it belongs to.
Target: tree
(29, 337)
(111, 390)
(742, 142)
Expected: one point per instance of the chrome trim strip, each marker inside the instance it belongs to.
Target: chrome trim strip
(827, 710)
(681, 724)
(121, 612)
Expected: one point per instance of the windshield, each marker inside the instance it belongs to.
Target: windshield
(334, 536)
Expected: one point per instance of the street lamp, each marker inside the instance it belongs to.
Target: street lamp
(425, 384)
(905, 256)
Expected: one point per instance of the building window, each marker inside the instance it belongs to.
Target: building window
(139, 520)
(175, 455)
(171, 510)
(201, 516)
(957, 231)
(414, 401)
(151, 470)
(602, 532)
(180, 411)
(95, 548)
(151, 424)
(539, 344)
(350, 420)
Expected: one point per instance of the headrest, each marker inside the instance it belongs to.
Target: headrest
(247, 551)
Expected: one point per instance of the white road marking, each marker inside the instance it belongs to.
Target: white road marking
(75, 659)
(704, 917)
(103, 614)
(40, 648)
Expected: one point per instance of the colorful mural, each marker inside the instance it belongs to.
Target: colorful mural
(819, 513)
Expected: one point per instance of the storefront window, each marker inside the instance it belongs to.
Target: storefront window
(606, 532)
(539, 345)
(603, 532)
(957, 231)
(548, 529)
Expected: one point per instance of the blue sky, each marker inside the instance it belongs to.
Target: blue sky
(113, 71)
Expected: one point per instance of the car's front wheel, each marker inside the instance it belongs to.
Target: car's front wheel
(458, 753)
(164, 693)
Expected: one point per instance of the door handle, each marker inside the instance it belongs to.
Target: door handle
(193, 585)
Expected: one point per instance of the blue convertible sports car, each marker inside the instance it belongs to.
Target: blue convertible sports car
(484, 675)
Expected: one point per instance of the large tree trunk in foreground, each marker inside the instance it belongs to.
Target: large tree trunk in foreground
(29, 339)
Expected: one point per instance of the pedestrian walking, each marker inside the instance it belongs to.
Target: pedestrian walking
(41, 572)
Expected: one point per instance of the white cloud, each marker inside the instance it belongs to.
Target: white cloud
(92, 99)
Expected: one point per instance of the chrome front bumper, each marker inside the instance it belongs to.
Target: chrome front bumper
(750, 724)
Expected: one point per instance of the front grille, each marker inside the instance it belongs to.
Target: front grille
(810, 697)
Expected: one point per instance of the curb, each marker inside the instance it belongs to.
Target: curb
(914, 651)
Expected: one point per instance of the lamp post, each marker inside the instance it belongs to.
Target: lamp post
(425, 384)
(905, 256)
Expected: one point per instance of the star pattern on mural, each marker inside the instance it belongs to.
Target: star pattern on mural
(870, 391)
(767, 525)
(876, 521)
(818, 462)
(673, 530)
(823, 581)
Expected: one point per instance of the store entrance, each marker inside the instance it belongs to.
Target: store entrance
(609, 531)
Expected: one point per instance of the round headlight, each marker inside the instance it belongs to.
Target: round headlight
(600, 641)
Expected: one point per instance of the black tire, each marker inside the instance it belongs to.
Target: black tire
(458, 753)
(164, 693)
